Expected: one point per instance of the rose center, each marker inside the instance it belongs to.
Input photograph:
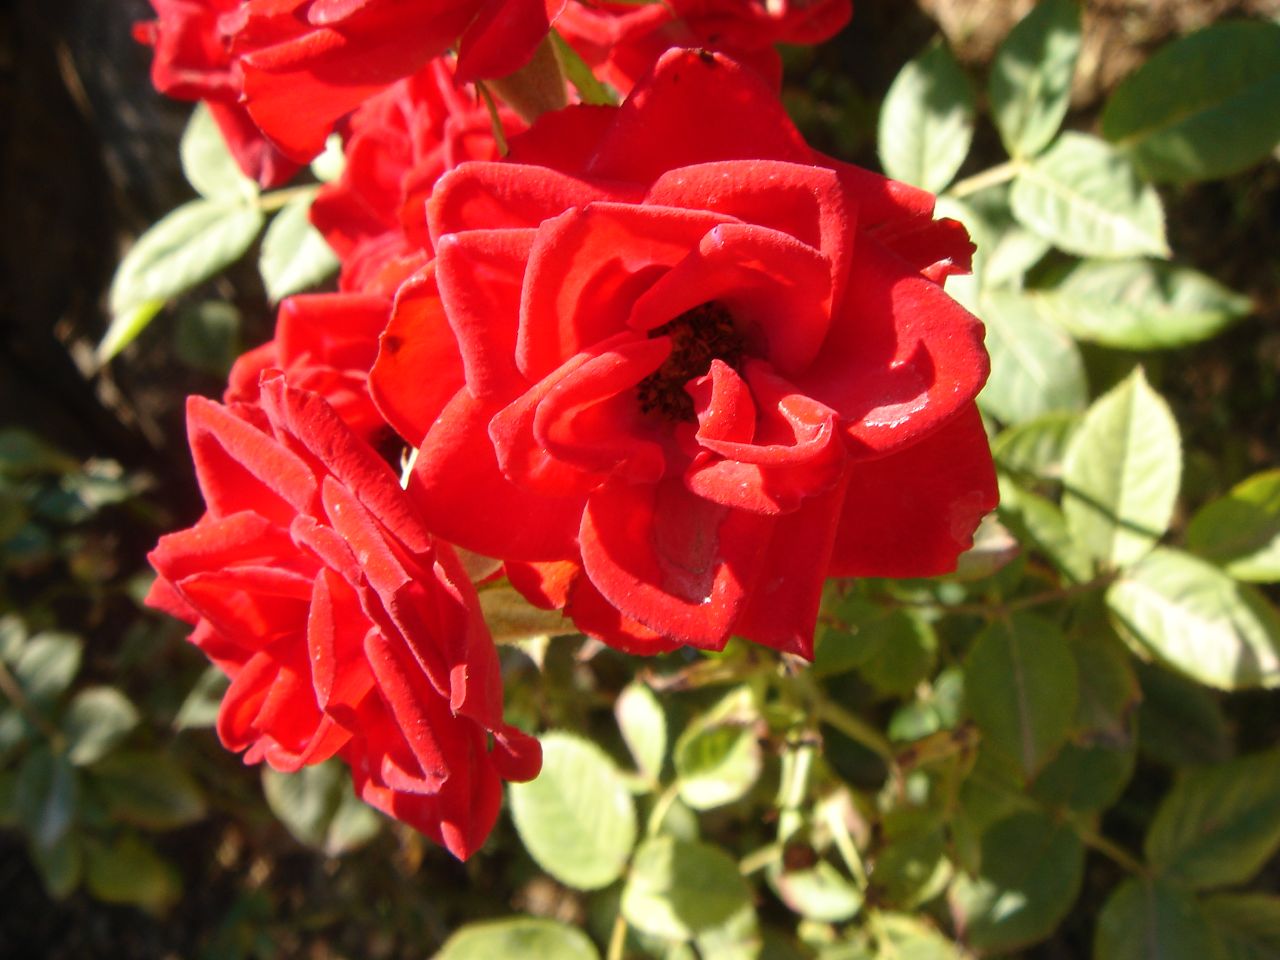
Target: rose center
(698, 336)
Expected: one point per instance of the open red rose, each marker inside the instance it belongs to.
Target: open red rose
(398, 145)
(325, 343)
(307, 63)
(193, 62)
(622, 41)
(698, 368)
(345, 628)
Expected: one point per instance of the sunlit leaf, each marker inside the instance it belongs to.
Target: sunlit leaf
(677, 890)
(1241, 531)
(207, 163)
(926, 122)
(1030, 84)
(644, 728)
(1036, 368)
(294, 255)
(534, 938)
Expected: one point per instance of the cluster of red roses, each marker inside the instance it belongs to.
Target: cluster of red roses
(666, 363)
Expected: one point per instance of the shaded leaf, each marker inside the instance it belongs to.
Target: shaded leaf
(1247, 924)
(200, 708)
(45, 796)
(1144, 919)
(130, 871)
(1181, 722)
(97, 720)
(819, 892)
(1030, 85)
(1021, 689)
(717, 757)
(147, 789)
(1218, 825)
(533, 937)
(1036, 367)
(206, 336)
(319, 807)
(1203, 106)
(677, 889)
(47, 665)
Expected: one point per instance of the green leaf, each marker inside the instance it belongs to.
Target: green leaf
(1140, 304)
(1181, 722)
(147, 789)
(1218, 825)
(590, 90)
(1241, 531)
(1036, 447)
(1204, 106)
(820, 892)
(903, 937)
(206, 336)
(577, 819)
(912, 867)
(677, 890)
(1020, 685)
(200, 709)
(208, 164)
(318, 806)
(1039, 523)
(926, 122)
(717, 757)
(1148, 919)
(1247, 924)
(644, 728)
(45, 796)
(186, 247)
(534, 938)
(332, 161)
(1032, 868)
(60, 865)
(130, 871)
(294, 254)
(1030, 84)
(47, 665)
(1193, 617)
(97, 720)
(1036, 368)
(1122, 473)
(1084, 197)
(1006, 249)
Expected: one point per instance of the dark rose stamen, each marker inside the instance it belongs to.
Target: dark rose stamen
(698, 336)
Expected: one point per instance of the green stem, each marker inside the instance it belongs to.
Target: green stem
(1108, 848)
(495, 121)
(10, 687)
(661, 808)
(855, 728)
(273, 201)
(1000, 173)
(759, 859)
(617, 938)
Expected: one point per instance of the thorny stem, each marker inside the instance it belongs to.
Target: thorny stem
(10, 687)
(1000, 173)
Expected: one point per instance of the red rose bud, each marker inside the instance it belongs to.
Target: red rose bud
(345, 628)
(675, 368)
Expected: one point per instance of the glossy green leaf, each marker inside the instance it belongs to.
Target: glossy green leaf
(1145, 919)
(318, 806)
(1122, 472)
(1202, 107)
(1140, 304)
(1218, 825)
(1192, 616)
(97, 720)
(926, 122)
(644, 728)
(676, 890)
(47, 665)
(717, 757)
(1021, 689)
(534, 938)
(1246, 924)
(207, 163)
(1030, 85)
(294, 254)
(147, 789)
(186, 247)
(1084, 197)
(1241, 531)
(577, 819)
(130, 871)
(1036, 368)
(1032, 868)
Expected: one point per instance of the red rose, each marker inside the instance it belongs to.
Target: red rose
(399, 145)
(705, 368)
(193, 62)
(307, 63)
(325, 343)
(622, 41)
(345, 628)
